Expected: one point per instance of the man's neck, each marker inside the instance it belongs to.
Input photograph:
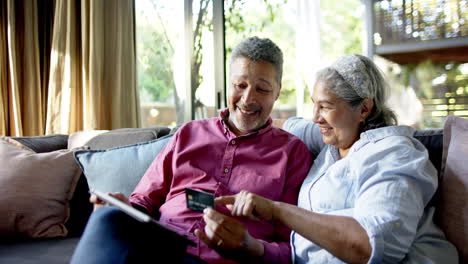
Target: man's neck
(238, 132)
(234, 129)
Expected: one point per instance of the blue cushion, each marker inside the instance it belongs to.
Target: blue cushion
(119, 169)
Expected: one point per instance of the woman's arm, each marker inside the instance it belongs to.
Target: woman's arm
(342, 236)
(236, 240)
(305, 130)
(279, 122)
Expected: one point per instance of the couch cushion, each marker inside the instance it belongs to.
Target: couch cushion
(80, 209)
(35, 190)
(50, 251)
(453, 201)
(41, 144)
(119, 169)
(126, 136)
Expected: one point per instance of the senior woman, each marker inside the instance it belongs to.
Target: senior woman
(365, 199)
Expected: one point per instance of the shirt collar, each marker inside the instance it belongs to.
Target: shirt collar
(223, 117)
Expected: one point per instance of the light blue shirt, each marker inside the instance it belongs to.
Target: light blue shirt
(385, 183)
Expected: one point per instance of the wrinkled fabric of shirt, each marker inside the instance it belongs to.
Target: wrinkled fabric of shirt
(206, 155)
(385, 183)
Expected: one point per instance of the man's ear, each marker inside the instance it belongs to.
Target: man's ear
(366, 108)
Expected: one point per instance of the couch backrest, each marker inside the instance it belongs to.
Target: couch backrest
(434, 142)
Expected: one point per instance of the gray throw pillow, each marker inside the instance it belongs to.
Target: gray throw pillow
(42, 144)
(126, 136)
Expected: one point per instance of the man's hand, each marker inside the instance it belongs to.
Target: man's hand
(98, 203)
(228, 236)
(247, 204)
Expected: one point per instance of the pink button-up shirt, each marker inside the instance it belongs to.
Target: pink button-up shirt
(206, 155)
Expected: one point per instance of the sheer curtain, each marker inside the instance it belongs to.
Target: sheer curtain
(81, 78)
(93, 67)
(308, 48)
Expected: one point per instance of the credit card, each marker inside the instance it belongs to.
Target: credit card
(198, 200)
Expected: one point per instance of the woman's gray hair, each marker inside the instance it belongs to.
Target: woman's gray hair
(353, 78)
(258, 49)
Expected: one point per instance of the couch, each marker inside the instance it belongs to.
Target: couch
(59, 250)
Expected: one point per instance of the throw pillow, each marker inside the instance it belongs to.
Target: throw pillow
(126, 136)
(35, 190)
(15, 143)
(453, 207)
(79, 139)
(119, 169)
(40, 144)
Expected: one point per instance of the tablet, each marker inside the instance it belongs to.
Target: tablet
(138, 215)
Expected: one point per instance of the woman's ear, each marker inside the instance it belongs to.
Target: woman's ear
(366, 108)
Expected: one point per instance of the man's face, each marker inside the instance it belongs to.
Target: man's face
(252, 93)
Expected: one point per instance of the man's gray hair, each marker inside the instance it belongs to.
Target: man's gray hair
(258, 49)
(353, 78)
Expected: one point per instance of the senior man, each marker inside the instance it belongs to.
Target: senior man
(239, 150)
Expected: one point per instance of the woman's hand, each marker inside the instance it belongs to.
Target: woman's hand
(98, 203)
(247, 204)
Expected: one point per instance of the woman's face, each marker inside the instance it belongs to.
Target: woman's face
(339, 123)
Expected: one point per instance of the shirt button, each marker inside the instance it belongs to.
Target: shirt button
(233, 142)
(226, 170)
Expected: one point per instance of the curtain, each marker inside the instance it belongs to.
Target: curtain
(308, 48)
(22, 82)
(4, 120)
(93, 67)
(67, 65)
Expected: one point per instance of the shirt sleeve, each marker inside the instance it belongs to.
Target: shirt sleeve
(280, 251)
(395, 183)
(150, 192)
(307, 131)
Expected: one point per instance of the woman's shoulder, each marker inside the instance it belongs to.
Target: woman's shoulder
(394, 132)
(388, 137)
(392, 142)
(393, 153)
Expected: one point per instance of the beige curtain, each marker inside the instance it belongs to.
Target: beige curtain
(93, 67)
(21, 91)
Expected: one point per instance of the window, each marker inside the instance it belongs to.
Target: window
(266, 19)
(296, 27)
(159, 39)
(203, 71)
